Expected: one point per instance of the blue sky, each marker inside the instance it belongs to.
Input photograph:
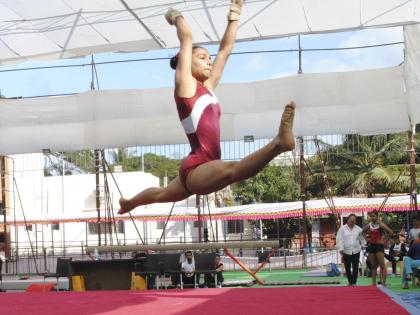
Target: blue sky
(240, 68)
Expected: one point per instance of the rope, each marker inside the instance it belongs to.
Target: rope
(119, 190)
(382, 206)
(26, 226)
(322, 190)
(211, 221)
(326, 182)
(166, 223)
(109, 206)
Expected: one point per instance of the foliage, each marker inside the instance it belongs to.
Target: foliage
(84, 162)
(272, 184)
(378, 165)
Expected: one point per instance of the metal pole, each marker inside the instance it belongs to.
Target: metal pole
(97, 195)
(412, 161)
(197, 204)
(303, 196)
(300, 56)
(52, 241)
(245, 268)
(64, 239)
(36, 240)
(3, 200)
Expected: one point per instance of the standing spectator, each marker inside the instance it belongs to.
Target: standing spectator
(412, 235)
(350, 241)
(376, 231)
(411, 261)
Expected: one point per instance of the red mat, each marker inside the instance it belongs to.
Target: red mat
(296, 300)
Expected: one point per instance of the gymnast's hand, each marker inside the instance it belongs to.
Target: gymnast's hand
(171, 16)
(238, 2)
(235, 10)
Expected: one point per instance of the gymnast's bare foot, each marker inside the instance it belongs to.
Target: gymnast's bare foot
(124, 206)
(285, 139)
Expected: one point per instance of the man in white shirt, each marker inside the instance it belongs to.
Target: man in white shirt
(188, 267)
(350, 241)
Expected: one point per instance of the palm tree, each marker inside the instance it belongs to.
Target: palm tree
(369, 164)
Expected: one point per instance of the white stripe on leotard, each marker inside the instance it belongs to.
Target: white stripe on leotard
(190, 123)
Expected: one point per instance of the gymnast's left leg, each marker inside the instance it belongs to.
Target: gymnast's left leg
(215, 175)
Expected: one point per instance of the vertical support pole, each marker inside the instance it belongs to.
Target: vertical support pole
(303, 197)
(63, 238)
(300, 56)
(412, 161)
(4, 202)
(197, 204)
(97, 195)
(86, 233)
(36, 240)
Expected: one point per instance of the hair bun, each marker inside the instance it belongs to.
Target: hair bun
(174, 61)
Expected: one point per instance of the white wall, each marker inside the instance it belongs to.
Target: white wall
(58, 196)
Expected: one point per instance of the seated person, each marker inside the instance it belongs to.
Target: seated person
(397, 251)
(187, 267)
(209, 278)
(411, 261)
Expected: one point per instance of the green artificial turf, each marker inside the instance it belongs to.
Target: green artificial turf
(297, 275)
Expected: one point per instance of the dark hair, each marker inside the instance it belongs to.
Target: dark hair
(375, 212)
(217, 255)
(188, 252)
(173, 62)
(351, 215)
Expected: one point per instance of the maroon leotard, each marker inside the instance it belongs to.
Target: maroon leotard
(200, 116)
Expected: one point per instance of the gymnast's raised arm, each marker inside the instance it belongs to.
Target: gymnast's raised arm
(184, 80)
(226, 44)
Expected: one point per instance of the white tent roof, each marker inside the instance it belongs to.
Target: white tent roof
(366, 102)
(51, 29)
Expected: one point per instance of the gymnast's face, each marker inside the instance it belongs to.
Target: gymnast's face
(373, 217)
(201, 65)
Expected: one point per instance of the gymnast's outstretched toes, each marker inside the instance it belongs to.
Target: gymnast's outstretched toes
(285, 139)
(124, 206)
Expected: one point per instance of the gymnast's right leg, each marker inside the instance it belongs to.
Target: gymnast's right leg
(175, 191)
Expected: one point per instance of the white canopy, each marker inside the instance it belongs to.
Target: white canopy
(51, 29)
(333, 103)
(364, 102)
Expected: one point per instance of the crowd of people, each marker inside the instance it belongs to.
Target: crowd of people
(352, 240)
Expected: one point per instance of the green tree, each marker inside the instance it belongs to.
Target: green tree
(365, 165)
(272, 184)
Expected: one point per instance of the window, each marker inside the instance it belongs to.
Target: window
(160, 225)
(235, 226)
(55, 226)
(110, 227)
(121, 227)
(28, 227)
(198, 224)
(93, 228)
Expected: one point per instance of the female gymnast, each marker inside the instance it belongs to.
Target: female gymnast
(196, 77)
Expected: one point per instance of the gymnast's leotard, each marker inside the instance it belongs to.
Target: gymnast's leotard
(200, 117)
